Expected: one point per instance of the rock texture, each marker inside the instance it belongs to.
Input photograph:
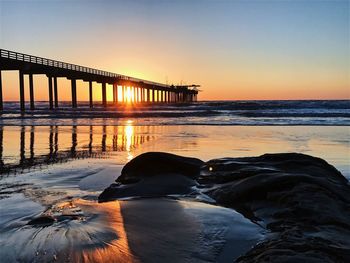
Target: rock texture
(155, 174)
(301, 201)
(155, 163)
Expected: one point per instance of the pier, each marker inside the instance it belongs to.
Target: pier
(124, 87)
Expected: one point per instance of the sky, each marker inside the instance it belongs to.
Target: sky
(234, 49)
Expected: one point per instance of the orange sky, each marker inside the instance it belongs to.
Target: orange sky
(236, 50)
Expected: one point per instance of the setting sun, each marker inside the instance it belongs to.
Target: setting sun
(129, 95)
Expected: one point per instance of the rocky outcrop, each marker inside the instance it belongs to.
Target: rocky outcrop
(301, 201)
(155, 174)
(159, 163)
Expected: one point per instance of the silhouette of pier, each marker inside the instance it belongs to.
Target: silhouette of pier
(141, 91)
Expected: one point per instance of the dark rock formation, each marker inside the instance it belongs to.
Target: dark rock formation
(155, 186)
(302, 201)
(155, 163)
(155, 174)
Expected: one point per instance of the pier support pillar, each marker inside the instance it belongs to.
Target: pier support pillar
(1, 100)
(31, 91)
(74, 93)
(123, 94)
(50, 92)
(138, 94)
(135, 95)
(91, 105)
(21, 91)
(115, 93)
(55, 91)
(104, 95)
(141, 95)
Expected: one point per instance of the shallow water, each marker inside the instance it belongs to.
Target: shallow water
(60, 170)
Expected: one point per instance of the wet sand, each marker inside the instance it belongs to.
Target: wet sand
(141, 230)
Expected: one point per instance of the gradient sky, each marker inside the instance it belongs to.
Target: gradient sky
(234, 49)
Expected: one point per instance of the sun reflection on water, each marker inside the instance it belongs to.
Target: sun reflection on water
(129, 137)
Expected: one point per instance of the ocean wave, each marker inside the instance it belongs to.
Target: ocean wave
(200, 113)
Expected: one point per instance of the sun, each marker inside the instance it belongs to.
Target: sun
(129, 95)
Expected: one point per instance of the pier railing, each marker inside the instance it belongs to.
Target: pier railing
(59, 64)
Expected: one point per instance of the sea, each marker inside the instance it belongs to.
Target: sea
(220, 113)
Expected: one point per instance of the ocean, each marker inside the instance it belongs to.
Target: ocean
(277, 112)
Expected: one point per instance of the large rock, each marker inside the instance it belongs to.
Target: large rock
(302, 201)
(155, 174)
(155, 163)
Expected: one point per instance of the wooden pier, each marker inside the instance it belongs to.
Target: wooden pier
(142, 91)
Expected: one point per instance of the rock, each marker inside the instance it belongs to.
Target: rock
(155, 163)
(154, 174)
(155, 186)
(303, 202)
(43, 220)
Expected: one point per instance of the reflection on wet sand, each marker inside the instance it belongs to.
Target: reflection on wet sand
(63, 143)
(96, 235)
(106, 250)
